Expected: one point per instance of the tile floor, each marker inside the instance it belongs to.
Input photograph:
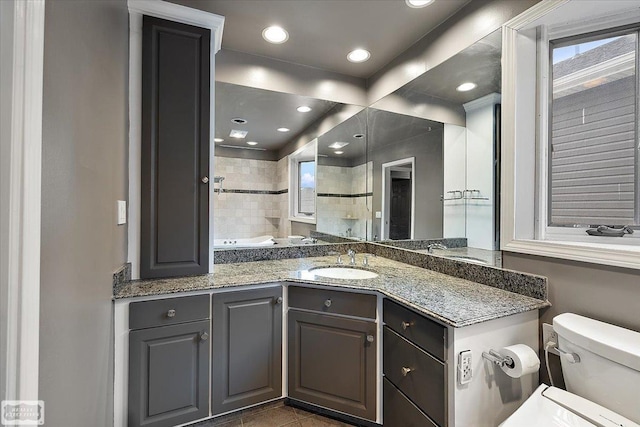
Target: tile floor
(272, 415)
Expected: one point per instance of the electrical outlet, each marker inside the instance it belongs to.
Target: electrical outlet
(464, 367)
(548, 334)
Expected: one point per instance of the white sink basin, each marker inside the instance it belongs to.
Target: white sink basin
(343, 273)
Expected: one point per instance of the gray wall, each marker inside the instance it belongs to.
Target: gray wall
(83, 174)
(609, 294)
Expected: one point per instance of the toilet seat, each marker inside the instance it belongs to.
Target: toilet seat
(553, 407)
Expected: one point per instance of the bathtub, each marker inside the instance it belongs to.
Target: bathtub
(253, 242)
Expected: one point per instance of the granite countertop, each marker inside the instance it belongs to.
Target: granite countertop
(451, 300)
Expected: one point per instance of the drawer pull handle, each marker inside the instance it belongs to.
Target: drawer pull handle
(327, 303)
(405, 371)
(171, 313)
(370, 338)
(204, 336)
(405, 325)
(279, 300)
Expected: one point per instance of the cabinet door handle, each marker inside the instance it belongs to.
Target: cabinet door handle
(370, 338)
(205, 180)
(204, 336)
(405, 325)
(405, 371)
(327, 303)
(171, 313)
(279, 300)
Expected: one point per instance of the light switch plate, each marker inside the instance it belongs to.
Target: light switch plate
(378, 214)
(122, 212)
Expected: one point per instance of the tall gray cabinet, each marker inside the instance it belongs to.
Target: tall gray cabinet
(174, 221)
(247, 348)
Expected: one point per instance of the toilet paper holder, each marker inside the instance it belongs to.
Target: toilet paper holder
(498, 359)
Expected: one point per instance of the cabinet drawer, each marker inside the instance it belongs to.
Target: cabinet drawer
(420, 376)
(400, 411)
(332, 301)
(418, 329)
(147, 314)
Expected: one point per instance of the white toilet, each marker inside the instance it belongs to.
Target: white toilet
(601, 368)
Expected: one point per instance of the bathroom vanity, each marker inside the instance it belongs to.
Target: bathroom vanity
(373, 351)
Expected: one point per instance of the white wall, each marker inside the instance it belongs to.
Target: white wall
(455, 178)
(480, 170)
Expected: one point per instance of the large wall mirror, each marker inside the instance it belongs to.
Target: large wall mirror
(421, 163)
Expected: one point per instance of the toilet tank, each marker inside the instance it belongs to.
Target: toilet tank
(608, 371)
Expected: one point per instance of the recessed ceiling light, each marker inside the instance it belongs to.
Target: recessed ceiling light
(275, 34)
(303, 109)
(283, 129)
(218, 139)
(252, 143)
(359, 135)
(337, 145)
(338, 152)
(418, 3)
(235, 133)
(358, 55)
(464, 87)
(239, 121)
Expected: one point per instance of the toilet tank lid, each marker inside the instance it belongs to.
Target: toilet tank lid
(609, 341)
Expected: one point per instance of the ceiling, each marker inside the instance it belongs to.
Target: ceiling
(265, 111)
(322, 32)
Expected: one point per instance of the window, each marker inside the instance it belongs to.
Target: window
(593, 165)
(307, 187)
(302, 184)
(570, 122)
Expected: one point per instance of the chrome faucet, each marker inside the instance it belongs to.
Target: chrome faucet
(352, 256)
(433, 246)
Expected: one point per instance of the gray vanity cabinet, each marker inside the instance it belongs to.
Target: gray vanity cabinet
(246, 348)
(168, 362)
(332, 358)
(415, 370)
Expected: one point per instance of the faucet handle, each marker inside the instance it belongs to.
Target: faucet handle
(339, 260)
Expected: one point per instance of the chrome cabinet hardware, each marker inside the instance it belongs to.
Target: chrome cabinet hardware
(279, 300)
(327, 303)
(405, 371)
(171, 313)
(370, 338)
(405, 325)
(204, 336)
(205, 179)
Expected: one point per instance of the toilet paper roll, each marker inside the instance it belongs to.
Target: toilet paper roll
(525, 359)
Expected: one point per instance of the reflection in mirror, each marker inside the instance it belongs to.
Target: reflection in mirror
(454, 137)
(256, 132)
(342, 179)
(406, 157)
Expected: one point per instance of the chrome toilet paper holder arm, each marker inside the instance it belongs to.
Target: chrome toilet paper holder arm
(498, 359)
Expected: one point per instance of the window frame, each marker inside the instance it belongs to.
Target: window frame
(307, 153)
(299, 187)
(548, 231)
(525, 100)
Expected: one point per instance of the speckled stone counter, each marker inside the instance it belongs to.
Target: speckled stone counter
(453, 301)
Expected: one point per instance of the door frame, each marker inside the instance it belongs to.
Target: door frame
(184, 15)
(386, 195)
(21, 80)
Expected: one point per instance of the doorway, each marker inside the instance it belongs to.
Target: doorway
(398, 201)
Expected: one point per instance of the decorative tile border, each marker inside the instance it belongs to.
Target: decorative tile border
(344, 195)
(231, 191)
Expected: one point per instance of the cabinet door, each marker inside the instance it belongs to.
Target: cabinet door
(332, 363)
(174, 217)
(169, 374)
(247, 348)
